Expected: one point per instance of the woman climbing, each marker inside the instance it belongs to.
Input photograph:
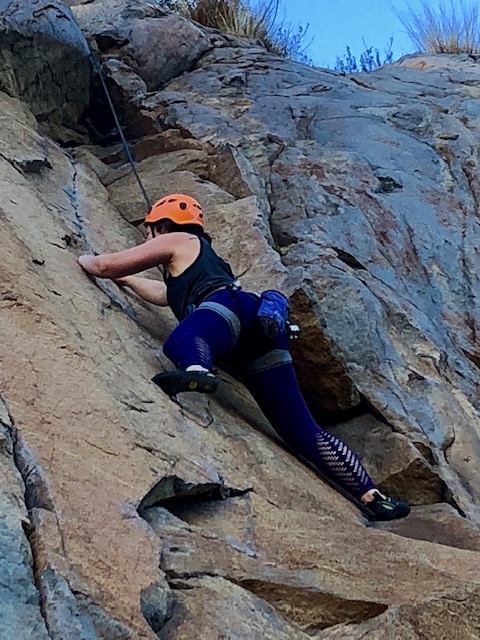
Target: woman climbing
(218, 320)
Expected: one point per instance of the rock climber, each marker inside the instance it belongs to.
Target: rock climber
(218, 320)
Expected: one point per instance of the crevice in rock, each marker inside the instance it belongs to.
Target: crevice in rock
(107, 41)
(175, 497)
(450, 499)
(156, 605)
(9, 446)
(360, 83)
(73, 197)
(472, 357)
(171, 492)
(312, 610)
(35, 490)
(470, 171)
(330, 417)
(426, 452)
(28, 165)
(373, 411)
(388, 184)
(37, 493)
(349, 259)
(278, 142)
(417, 484)
(176, 579)
(98, 118)
(325, 383)
(80, 225)
(66, 613)
(420, 482)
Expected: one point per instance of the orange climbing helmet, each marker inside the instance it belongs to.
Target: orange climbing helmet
(178, 208)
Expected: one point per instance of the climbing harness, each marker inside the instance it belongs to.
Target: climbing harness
(274, 310)
(273, 316)
(235, 286)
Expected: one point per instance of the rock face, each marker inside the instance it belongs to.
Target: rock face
(156, 43)
(125, 515)
(20, 604)
(44, 59)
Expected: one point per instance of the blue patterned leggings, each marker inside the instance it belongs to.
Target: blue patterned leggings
(225, 327)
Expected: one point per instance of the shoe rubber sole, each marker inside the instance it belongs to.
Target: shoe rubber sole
(173, 382)
(387, 511)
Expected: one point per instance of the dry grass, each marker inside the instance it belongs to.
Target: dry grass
(250, 18)
(452, 27)
(233, 16)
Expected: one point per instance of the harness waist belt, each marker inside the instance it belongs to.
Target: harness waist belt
(234, 287)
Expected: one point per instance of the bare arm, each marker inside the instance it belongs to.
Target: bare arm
(159, 250)
(153, 291)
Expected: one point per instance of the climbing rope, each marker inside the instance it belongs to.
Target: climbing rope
(363, 508)
(126, 146)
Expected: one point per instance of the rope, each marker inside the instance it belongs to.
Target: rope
(363, 508)
(120, 130)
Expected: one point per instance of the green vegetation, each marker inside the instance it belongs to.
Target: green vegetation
(369, 60)
(452, 27)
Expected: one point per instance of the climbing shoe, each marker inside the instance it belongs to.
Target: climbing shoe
(173, 382)
(385, 508)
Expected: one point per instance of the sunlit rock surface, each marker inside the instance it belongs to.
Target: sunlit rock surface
(125, 515)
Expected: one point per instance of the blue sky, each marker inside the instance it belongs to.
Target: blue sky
(334, 24)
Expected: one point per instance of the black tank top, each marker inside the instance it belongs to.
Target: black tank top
(208, 273)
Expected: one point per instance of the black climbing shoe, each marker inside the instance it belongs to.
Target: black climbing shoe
(385, 508)
(173, 382)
